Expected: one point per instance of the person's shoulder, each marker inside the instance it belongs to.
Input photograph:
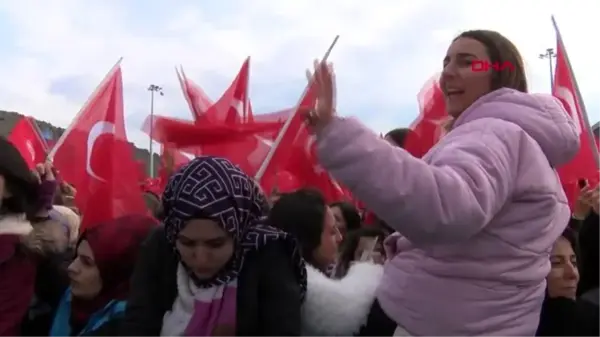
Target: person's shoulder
(156, 236)
(156, 245)
(271, 251)
(10, 245)
(274, 259)
(109, 328)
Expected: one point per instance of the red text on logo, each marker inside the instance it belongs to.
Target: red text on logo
(480, 65)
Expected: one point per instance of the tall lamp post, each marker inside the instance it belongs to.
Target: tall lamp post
(550, 54)
(153, 88)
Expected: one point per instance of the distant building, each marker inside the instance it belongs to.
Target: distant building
(51, 133)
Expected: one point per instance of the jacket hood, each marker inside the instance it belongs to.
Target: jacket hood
(541, 116)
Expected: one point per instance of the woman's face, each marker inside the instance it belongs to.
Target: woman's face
(331, 237)
(563, 276)
(340, 221)
(84, 274)
(204, 247)
(461, 85)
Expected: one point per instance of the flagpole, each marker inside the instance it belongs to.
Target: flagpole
(245, 112)
(263, 167)
(183, 84)
(74, 121)
(152, 88)
(41, 138)
(584, 114)
(549, 54)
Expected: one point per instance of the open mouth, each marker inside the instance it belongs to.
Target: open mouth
(453, 92)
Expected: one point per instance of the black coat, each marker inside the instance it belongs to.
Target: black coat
(565, 317)
(110, 328)
(589, 235)
(268, 293)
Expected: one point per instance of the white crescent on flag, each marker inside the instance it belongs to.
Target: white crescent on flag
(97, 130)
(31, 150)
(309, 153)
(238, 106)
(567, 96)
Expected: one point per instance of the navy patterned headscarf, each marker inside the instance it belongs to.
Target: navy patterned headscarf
(216, 189)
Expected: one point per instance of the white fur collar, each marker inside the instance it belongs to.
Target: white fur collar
(339, 307)
(15, 224)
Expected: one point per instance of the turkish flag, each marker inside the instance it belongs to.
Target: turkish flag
(429, 126)
(584, 165)
(196, 98)
(94, 155)
(25, 137)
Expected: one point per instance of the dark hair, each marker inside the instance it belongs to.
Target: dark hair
(18, 180)
(571, 236)
(301, 213)
(398, 136)
(500, 50)
(377, 222)
(350, 214)
(351, 243)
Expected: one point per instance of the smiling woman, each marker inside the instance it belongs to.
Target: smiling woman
(465, 203)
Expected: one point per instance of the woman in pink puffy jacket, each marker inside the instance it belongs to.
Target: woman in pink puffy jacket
(479, 212)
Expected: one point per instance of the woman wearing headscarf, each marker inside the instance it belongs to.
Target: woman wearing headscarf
(214, 268)
(25, 234)
(481, 209)
(95, 302)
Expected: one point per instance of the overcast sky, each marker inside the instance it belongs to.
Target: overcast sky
(54, 53)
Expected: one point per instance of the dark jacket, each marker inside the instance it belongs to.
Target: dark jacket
(22, 247)
(565, 317)
(50, 284)
(17, 282)
(589, 250)
(268, 294)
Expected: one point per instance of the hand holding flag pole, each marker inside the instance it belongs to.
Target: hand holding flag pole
(266, 162)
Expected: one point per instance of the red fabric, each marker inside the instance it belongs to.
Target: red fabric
(584, 165)
(25, 137)
(233, 106)
(428, 128)
(115, 245)
(17, 284)
(295, 153)
(187, 135)
(153, 185)
(196, 98)
(171, 160)
(285, 182)
(94, 155)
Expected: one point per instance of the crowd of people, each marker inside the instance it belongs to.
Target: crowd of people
(475, 238)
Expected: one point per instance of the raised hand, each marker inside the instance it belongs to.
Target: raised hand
(324, 109)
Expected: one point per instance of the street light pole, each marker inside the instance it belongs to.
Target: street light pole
(153, 88)
(550, 54)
